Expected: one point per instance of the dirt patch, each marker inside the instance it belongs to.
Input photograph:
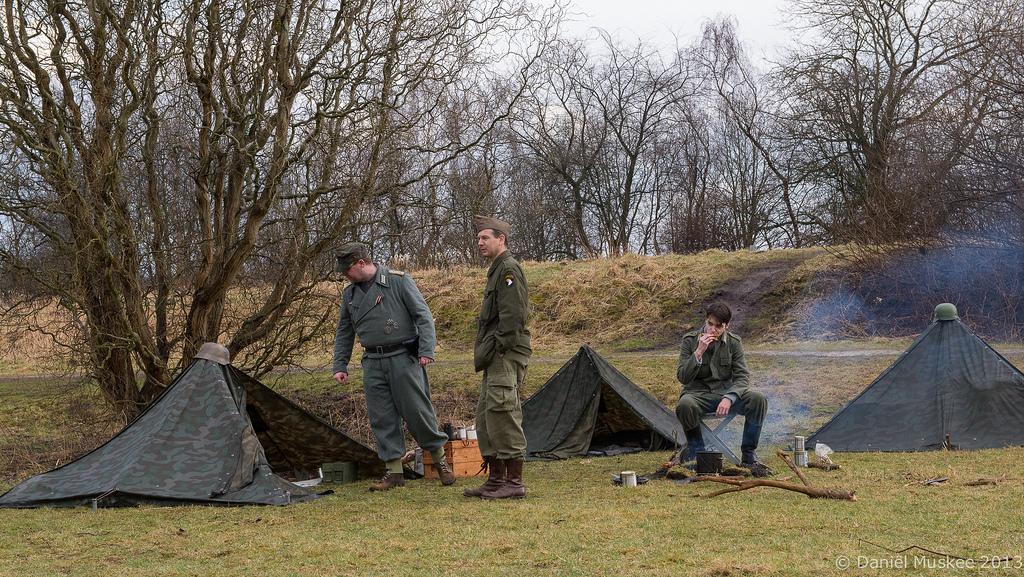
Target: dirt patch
(748, 295)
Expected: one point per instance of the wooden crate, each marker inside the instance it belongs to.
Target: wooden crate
(463, 456)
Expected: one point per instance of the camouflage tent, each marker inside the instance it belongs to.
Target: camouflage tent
(215, 436)
(948, 386)
(589, 405)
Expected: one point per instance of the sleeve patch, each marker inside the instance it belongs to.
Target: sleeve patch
(509, 279)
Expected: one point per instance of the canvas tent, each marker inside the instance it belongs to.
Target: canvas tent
(588, 405)
(214, 436)
(949, 384)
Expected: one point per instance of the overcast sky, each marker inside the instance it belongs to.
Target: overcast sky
(656, 20)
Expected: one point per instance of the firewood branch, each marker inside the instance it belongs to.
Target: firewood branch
(811, 492)
(806, 488)
(995, 481)
(785, 458)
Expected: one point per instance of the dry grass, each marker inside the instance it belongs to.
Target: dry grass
(613, 300)
(45, 423)
(28, 336)
(629, 303)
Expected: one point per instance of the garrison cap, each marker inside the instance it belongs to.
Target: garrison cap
(349, 254)
(486, 222)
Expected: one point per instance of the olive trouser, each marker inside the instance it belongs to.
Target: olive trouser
(397, 389)
(499, 414)
(693, 405)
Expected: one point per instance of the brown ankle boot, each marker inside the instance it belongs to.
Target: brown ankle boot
(390, 481)
(445, 473)
(495, 478)
(513, 487)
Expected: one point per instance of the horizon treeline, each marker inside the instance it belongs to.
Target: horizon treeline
(163, 157)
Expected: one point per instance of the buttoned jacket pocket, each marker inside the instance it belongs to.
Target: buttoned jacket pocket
(489, 310)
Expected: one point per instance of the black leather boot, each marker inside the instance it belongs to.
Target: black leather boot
(694, 443)
(751, 436)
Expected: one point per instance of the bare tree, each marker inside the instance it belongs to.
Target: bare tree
(863, 95)
(598, 131)
(747, 102)
(638, 94)
(562, 126)
(180, 156)
(72, 86)
(695, 217)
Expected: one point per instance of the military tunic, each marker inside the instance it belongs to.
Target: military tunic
(390, 312)
(502, 351)
(722, 372)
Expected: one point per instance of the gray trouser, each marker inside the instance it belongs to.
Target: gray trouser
(694, 405)
(499, 414)
(397, 389)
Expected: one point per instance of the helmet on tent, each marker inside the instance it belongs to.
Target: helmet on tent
(946, 312)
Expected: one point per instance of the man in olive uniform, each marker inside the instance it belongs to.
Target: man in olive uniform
(502, 352)
(396, 329)
(715, 379)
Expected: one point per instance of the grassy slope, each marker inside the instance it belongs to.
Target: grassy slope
(624, 303)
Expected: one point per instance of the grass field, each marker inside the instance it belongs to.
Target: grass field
(574, 520)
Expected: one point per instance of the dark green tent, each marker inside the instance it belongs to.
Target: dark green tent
(948, 385)
(589, 405)
(214, 436)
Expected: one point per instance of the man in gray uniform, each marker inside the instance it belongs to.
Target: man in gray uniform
(386, 310)
(715, 379)
(502, 351)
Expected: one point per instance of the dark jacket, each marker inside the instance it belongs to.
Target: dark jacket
(501, 327)
(729, 372)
